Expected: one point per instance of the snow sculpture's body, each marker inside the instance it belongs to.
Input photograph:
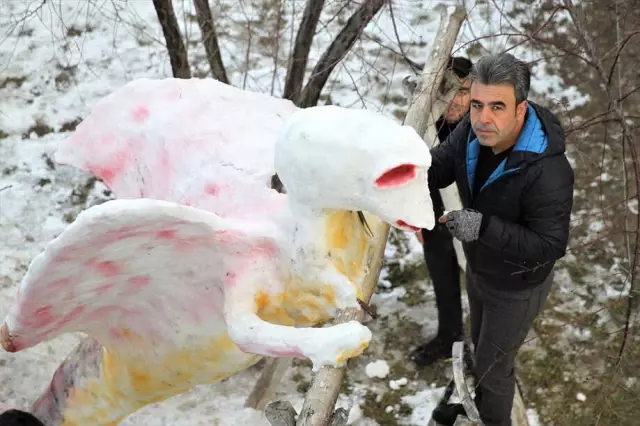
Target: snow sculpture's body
(199, 268)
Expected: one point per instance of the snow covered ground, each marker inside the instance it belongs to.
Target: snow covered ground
(58, 58)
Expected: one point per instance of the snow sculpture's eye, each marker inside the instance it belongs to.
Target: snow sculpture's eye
(397, 176)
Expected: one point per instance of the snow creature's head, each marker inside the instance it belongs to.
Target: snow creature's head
(340, 158)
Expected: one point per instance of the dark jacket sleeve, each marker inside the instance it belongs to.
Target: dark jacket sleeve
(543, 234)
(445, 155)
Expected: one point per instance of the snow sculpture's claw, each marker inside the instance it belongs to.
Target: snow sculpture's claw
(339, 343)
(329, 346)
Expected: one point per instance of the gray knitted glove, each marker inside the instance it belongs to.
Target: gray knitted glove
(463, 224)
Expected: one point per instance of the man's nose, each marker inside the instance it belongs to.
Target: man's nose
(485, 116)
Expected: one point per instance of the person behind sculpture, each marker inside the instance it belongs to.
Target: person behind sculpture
(516, 187)
(15, 417)
(439, 254)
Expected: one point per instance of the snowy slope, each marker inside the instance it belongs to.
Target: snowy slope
(58, 58)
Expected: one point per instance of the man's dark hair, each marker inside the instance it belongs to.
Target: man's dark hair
(15, 417)
(503, 68)
(460, 66)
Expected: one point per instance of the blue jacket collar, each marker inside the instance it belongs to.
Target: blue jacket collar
(532, 139)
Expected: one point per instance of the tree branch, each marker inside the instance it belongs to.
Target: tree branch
(298, 61)
(173, 38)
(337, 50)
(210, 40)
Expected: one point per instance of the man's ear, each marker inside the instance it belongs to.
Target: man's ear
(397, 175)
(521, 109)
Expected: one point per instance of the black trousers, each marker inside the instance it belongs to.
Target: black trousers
(440, 257)
(500, 322)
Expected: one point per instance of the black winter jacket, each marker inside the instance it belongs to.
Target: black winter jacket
(526, 202)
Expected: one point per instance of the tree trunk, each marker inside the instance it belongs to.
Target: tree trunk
(266, 384)
(173, 38)
(300, 56)
(430, 104)
(337, 50)
(210, 40)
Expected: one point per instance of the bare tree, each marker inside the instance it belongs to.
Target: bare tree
(337, 50)
(210, 40)
(298, 61)
(175, 44)
(302, 95)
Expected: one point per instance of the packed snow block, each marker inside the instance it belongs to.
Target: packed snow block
(199, 268)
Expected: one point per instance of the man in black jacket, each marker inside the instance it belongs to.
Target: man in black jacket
(439, 253)
(516, 185)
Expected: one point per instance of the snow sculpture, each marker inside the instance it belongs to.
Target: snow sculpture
(199, 268)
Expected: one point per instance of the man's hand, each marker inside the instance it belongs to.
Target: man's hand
(419, 235)
(463, 224)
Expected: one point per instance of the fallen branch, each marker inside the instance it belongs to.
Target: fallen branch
(272, 372)
(460, 351)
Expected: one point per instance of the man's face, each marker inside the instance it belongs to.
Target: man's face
(459, 106)
(495, 117)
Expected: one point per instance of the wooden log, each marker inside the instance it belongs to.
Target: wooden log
(273, 371)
